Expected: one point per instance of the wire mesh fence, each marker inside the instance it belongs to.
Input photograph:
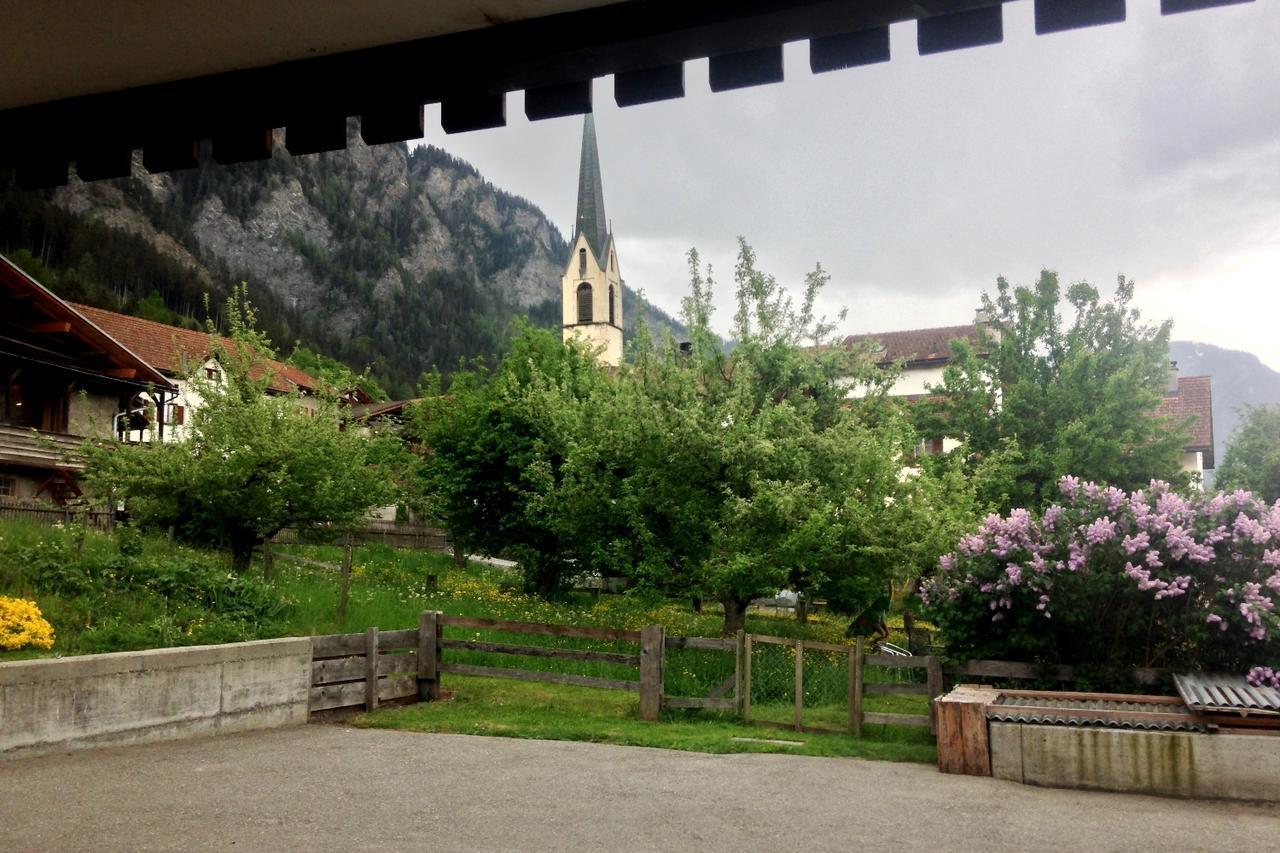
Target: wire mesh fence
(826, 688)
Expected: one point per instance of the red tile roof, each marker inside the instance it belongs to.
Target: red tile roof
(173, 350)
(1194, 400)
(916, 345)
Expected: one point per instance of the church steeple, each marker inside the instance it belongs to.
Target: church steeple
(591, 289)
(591, 218)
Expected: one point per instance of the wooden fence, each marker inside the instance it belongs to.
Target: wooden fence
(396, 534)
(99, 519)
(366, 669)
(858, 685)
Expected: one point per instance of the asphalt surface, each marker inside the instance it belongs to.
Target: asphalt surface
(330, 788)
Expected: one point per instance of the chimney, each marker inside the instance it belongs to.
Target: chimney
(1171, 380)
(981, 317)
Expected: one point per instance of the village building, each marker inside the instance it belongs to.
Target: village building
(924, 354)
(63, 378)
(183, 354)
(591, 289)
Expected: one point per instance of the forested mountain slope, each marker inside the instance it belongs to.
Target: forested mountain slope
(383, 257)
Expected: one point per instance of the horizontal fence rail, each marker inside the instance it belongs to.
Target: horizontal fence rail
(98, 519)
(366, 669)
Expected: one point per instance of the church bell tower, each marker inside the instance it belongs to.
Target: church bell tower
(591, 290)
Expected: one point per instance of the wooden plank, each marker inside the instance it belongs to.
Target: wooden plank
(396, 688)
(777, 641)
(699, 702)
(896, 661)
(1011, 669)
(879, 719)
(542, 652)
(337, 645)
(541, 628)
(652, 655)
(429, 655)
(403, 639)
(401, 663)
(936, 688)
(1089, 697)
(713, 644)
(336, 696)
(895, 689)
(371, 669)
(551, 677)
(746, 678)
(337, 670)
(799, 685)
(855, 688)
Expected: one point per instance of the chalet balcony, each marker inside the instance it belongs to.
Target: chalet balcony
(33, 448)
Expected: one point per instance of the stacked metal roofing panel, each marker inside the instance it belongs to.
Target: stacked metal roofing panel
(1122, 712)
(1227, 694)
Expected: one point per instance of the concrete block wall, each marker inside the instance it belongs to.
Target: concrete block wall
(130, 697)
(1176, 764)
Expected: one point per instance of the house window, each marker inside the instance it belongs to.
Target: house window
(176, 415)
(8, 487)
(582, 262)
(213, 374)
(584, 303)
(612, 321)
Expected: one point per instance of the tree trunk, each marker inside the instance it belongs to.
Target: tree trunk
(697, 604)
(459, 556)
(242, 552)
(735, 614)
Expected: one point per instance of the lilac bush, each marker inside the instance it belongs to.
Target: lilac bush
(1117, 580)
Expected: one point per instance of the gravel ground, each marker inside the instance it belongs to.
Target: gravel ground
(323, 787)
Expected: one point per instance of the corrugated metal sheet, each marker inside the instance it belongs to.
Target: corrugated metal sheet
(1226, 694)
(1107, 713)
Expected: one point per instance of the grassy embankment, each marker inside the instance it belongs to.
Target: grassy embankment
(106, 593)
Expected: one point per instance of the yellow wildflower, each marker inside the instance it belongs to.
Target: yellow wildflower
(22, 625)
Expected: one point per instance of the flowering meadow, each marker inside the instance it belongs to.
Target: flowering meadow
(1116, 580)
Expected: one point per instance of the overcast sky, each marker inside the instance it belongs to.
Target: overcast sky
(1149, 148)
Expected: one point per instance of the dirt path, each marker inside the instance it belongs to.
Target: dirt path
(330, 788)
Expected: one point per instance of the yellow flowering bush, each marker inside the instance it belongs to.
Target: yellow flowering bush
(22, 625)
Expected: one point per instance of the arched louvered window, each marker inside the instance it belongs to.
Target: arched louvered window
(584, 303)
(582, 262)
(612, 321)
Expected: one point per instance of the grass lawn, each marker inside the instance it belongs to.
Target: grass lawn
(490, 706)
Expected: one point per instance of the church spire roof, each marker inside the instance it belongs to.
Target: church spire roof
(591, 218)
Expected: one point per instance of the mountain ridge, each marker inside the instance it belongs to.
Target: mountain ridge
(384, 257)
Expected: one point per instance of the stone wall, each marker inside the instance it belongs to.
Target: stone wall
(130, 697)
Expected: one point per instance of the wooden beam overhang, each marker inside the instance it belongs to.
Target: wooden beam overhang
(643, 43)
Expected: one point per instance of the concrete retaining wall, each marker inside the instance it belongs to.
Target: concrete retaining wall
(1177, 764)
(131, 697)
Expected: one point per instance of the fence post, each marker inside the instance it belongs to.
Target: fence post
(746, 679)
(855, 687)
(933, 670)
(428, 656)
(799, 685)
(652, 654)
(739, 646)
(371, 669)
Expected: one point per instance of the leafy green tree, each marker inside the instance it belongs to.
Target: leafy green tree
(1252, 460)
(253, 463)
(334, 373)
(701, 474)
(1042, 397)
(494, 446)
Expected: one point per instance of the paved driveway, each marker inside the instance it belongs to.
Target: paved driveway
(329, 788)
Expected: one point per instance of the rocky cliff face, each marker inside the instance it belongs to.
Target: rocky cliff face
(378, 256)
